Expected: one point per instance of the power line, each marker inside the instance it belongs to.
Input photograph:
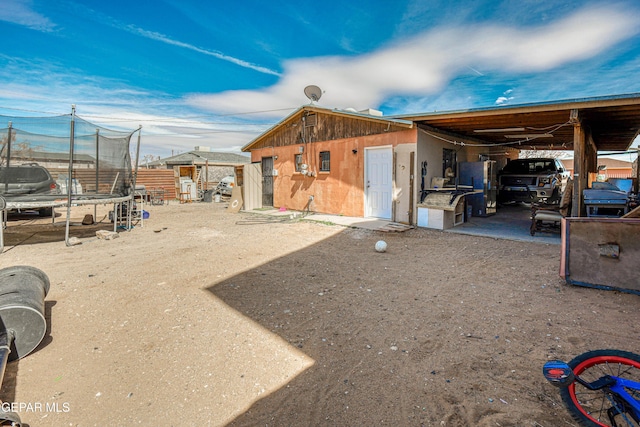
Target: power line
(201, 133)
(35, 111)
(184, 118)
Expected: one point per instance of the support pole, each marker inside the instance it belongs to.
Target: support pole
(3, 210)
(3, 203)
(135, 175)
(71, 144)
(135, 179)
(6, 180)
(95, 207)
(637, 189)
(580, 173)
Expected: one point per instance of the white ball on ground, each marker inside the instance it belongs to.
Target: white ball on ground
(381, 246)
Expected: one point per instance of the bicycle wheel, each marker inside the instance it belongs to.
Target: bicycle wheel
(597, 407)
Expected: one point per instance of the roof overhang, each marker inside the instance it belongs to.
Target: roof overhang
(613, 122)
(396, 121)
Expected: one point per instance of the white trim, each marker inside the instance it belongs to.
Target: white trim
(367, 150)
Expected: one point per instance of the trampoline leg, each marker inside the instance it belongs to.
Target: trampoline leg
(3, 219)
(2, 227)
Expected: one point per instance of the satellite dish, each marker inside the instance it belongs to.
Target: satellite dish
(313, 93)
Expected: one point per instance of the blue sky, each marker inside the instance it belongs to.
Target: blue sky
(213, 73)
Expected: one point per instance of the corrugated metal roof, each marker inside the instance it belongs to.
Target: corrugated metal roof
(613, 122)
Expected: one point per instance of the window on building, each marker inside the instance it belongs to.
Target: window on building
(298, 162)
(325, 161)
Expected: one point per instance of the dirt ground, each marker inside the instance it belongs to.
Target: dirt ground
(203, 317)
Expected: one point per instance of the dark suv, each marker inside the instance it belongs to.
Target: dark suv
(27, 183)
(532, 180)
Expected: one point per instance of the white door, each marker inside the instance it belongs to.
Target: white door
(378, 182)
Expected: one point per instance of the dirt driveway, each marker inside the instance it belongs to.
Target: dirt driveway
(207, 318)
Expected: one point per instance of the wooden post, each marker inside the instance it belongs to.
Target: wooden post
(412, 168)
(637, 189)
(580, 173)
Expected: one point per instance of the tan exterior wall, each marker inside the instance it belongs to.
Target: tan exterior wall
(430, 149)
(341, 190)
(404, 194)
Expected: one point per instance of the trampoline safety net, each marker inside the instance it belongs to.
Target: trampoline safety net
(89, 161)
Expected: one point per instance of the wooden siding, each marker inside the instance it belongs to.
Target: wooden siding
(328, 127)
(156, 179)
(150, 178)
(87, 178)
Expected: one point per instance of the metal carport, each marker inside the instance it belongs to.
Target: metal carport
(585, 126)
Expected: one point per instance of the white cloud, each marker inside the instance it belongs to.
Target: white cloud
(406, 72)
(21, 12)
(162, 38)
(424, 64)
(168, 126)
(219, 55)
(505, 98)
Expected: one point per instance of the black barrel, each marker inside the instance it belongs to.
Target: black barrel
(22, 293)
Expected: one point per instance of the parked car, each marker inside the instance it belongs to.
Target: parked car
(225, 186)
(532, 180)
(25, 180)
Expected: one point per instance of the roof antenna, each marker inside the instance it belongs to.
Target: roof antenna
(313, 93)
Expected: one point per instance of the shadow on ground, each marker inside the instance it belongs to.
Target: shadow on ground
(29, 228)
(418, 335)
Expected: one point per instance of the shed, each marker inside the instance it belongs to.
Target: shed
(337, 162)
(212, 166)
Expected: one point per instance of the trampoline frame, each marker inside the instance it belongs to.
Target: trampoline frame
(68, 200)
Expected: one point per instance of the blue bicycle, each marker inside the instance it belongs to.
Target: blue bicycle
(599, 388)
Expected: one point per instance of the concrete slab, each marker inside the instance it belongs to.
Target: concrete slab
(512, 222)
(347, 221)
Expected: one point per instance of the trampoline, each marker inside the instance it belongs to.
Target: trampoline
(91, 165)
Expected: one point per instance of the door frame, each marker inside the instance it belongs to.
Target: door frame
(267, 181)
(367, 150)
